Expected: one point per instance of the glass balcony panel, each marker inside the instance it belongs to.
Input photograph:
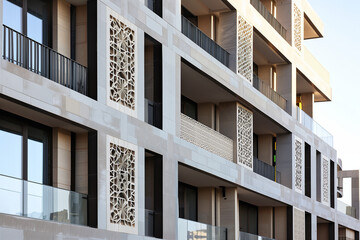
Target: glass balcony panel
(29, 199)
(249, 236)
(194, 230)
(346, 209)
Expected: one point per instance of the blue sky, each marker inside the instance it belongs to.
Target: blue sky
(339, 51)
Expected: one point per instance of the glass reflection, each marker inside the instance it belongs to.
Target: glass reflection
(12, 15)
(10, 154)
(35, 161)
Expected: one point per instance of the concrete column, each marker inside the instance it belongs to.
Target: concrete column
(284, 158)
(61, 27)
(265, 74)
(265, 221)
(206, 114)
(355, 193)
(227, 112)
(61, 158)
(172, 12)
(206, 205)
(81, 35)
(284, 16)
(307, 100)
(229, 218)
(226, 36)
(286, 86)
(81, 163)
(265, 148)
(281, 223)
(204, 24)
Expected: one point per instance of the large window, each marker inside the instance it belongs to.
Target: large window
(29, 17)
(24, 149)
(187, 202)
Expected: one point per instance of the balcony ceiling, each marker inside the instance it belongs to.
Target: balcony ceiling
(258, 199)
(303, 85)
(310, 31)
(204, 7)
(264, 53)
(200, 88)
(198, 178)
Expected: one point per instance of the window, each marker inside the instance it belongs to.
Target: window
(24, 149)
(189, 107)
(29, 17)
(155, 6)
(187, 202)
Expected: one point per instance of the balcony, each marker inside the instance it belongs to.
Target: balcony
(42, 60)
(249, 236)
(194, 230)
(34, 200)
(346, 209)
(266, 170)
(313, 126)
(269, 92)
(269, 17)
(206, 43)
(205, 137)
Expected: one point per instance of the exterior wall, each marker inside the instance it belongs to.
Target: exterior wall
(81, 35)
(62, 159)
(40, 93)
(265, 222)
(61, 27)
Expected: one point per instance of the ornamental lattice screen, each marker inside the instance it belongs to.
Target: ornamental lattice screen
(121, 63)
(121, 166)
(297, 28)
(244, 127)
(299, 165)
(245, 49)
(325, 180)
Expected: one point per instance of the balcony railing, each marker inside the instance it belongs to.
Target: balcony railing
(42, 60)
(34, 200)
(266, 170)
(249, 236)
(313, 126)
(190, 230)
(205, 137)
(269, 92)
(269, 17)
(206, 43)
(346, 209)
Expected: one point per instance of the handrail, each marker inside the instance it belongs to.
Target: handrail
(206, 43)
(269, 92)
(43, 60)
(269, 17)
(266, 170)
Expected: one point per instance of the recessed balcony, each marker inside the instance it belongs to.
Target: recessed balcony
(266, 170)
(269, 15)
(40, 59)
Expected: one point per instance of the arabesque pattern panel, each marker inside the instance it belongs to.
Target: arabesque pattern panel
(299, 164)
(325, 180)
(297, 28)
(122, 63)
(244, 136)
(245, 49)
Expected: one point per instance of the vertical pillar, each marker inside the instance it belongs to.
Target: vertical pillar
(81, 163)
(206, 205)
(229, 218)
(284, 16)
(265, 222)
(206, 114)
(355, 193)
(284, 158)
(307, 100)
(265, 73)
(280, 223)
(286, 86)
(265, 148)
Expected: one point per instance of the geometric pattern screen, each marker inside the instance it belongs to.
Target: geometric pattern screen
(245, 49)
(122, 185)
(122, 63)
(299, 162)
(297, 28)
(325, 180)
(244, 137)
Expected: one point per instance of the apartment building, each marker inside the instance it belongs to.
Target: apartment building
(170, 119)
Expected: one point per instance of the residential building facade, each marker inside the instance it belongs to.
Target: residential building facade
(169, 119)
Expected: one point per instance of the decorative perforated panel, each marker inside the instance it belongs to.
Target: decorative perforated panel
(122, 63)
(297, 28)
(325, 180)
(299, 162)
(299, 224)
(245, 49)
(244, 136)
(122, 185)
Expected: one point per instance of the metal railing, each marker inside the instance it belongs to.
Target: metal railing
(249, 236)
(206, 43)
(205, 137)
(346, 209)
(269, 92)
(190, 230)
(266, 170)
(42, 60)
(269, 17)
(313, 126)
(34, 200)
